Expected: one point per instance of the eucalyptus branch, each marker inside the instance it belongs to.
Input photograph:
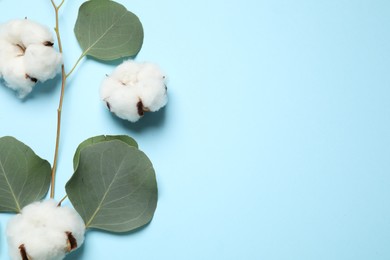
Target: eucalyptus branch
(64, 77)
(59, 110)
(27, 239)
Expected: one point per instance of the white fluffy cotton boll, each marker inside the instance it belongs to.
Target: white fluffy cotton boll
(109, 86)
(42, 62)
(125, 104)
(150, 71)
(127, 73)
(44, 231)
(15, 76)
(33, 43)
(143, 84)
(8, 52)
(35, 33)
(153, 94)
(11, 31)
(25, 32)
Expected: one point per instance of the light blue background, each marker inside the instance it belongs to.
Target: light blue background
(275, 142)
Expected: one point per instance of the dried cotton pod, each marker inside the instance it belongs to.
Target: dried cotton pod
(133, 89)
(27, 55)
(44, 231)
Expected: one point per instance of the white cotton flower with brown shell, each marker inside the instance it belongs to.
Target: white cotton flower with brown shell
(27, 55)
(44, 231)
(133, 89)
(16, 78)
(39, 61)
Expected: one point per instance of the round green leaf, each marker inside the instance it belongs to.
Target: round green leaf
(114, 187)
(106, 30)
(24, 176)
(101, 138)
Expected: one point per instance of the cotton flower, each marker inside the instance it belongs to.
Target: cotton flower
(44, 231)
(16, 78)
(39, 61)
(27, 55)
(133, 89)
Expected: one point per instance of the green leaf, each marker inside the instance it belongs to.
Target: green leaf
(101, 138)
(106, 30)
(24, 176)
(114, 187)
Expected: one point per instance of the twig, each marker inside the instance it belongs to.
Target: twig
(59, 110)
(64, 198)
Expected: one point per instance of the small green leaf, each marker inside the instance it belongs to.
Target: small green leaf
(106, 30)
(24, 176)
(114, 187)
(101, 138)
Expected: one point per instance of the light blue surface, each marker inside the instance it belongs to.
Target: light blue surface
(275, 142)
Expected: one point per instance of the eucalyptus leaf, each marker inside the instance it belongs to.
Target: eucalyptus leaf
(24, 176)
(101, 138)
(106, 30)
(114, 187)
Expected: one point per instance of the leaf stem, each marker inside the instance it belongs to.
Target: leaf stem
(59, 110)
(75, 65)
(64, 198)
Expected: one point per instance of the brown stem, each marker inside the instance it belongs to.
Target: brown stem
(63, 74)
(63, 199)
